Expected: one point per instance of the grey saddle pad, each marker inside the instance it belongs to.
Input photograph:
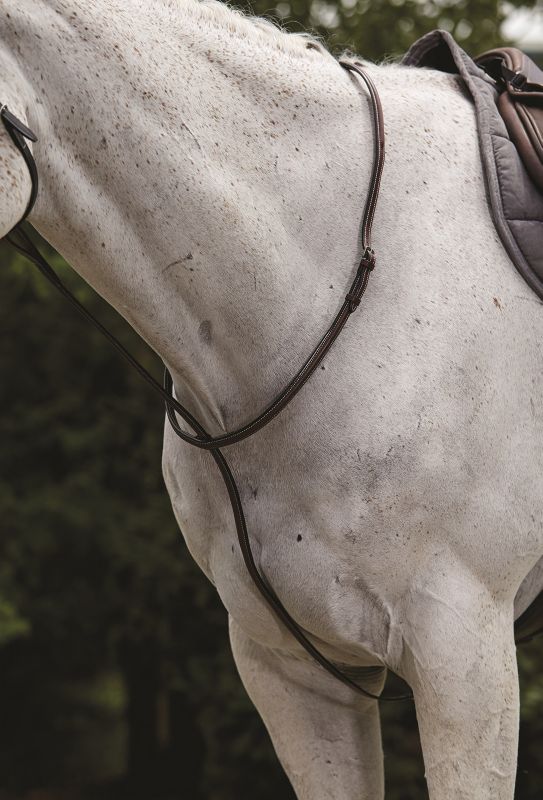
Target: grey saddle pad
(515, 201)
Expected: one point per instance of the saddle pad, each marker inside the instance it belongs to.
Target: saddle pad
(515, 201)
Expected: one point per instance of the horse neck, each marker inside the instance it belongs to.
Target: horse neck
(205, 176)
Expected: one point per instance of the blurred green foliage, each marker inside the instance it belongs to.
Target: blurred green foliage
(381, 29)
(95, 579)
(116, 675)
(12, 624)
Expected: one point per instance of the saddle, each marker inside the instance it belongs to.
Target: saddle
(520, 103)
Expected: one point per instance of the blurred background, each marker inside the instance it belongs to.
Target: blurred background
(116, 679)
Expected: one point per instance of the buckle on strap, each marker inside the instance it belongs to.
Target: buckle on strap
(517, 80)
(358, 287)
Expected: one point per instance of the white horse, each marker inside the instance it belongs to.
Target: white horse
(207, 173)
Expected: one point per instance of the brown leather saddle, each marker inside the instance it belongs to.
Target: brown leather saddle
(520, 103)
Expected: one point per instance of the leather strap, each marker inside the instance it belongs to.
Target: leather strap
(18, 132)
(201, 438)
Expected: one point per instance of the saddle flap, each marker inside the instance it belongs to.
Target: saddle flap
(520, 83)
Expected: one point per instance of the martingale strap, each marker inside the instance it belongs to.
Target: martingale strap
(19, 132)
(201, 438)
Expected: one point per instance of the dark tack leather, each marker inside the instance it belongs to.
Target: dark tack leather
(18, 132)
(520, 103)
(201, 438)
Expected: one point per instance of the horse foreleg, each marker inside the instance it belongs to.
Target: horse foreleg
(327, 738)
(459, 658)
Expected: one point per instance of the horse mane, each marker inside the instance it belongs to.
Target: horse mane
(246, 25)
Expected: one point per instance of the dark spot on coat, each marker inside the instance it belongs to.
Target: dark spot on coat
(299, 537)
(204, 331)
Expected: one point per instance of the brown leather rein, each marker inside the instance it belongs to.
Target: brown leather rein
(19, 132)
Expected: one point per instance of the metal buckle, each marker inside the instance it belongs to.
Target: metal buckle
(517, 80)
(369, 258)
(367, 264)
